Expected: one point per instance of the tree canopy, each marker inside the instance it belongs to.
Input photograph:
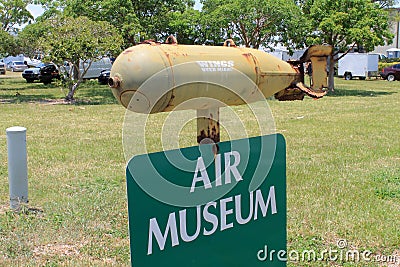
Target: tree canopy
(186, 26)
(29, 38)
(13, 13)
(136, 20)
(7, 43)
(154, 18)
(119, 13)
(253, 22)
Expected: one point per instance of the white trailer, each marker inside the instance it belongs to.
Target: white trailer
(359, 65)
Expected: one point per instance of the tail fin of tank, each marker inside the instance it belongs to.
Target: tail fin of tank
(316, 57)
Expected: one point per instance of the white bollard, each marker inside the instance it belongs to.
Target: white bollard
(17, 166)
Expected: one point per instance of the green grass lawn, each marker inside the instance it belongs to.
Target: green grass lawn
(343, 173)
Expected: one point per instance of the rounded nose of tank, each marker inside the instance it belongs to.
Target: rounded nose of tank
(130, 99)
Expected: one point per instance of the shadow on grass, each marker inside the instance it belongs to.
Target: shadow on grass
(362, 93)
(90, 93)
(22, 85)
(95, 95)
(22, 98)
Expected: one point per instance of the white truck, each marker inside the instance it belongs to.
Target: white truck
(361, 65)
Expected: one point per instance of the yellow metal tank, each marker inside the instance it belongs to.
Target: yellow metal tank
(153, 77)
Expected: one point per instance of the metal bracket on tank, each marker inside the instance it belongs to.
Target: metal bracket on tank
(230, 43)
(208, 129)
(317, 56)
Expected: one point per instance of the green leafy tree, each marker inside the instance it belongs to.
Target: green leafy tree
(214, 26)
(119, 13)
(154, 18)
(253, 22)
(28, 39)
(136, 20)
(185, 25)
(344, 24)
(78, 41)
(7, 43)
(14, 13)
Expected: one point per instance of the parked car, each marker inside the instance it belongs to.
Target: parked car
(2, 68)
(391, 73)
(48, 73)
(32, 74)
(95, 68)
(104, 76)
(16, 66)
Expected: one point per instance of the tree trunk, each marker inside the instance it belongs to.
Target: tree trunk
(75, 72)
(76, 77)
(72, 89)
(331, 74)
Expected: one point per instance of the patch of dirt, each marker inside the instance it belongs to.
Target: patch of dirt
(54, 102)
(57, 250)
(42, 101)
(68, 250)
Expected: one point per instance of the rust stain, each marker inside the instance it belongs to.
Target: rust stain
(201, 136)
(150, 42)
(248, 57)
(212, 133)
(215, 133)
(128, 51)
(253, 62)
(215, 147)
(168, 56)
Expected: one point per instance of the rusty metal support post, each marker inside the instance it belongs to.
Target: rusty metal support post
(208, 126)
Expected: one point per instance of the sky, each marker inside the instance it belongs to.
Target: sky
(35, 10)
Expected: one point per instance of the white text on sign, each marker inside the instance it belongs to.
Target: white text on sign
(215, 215)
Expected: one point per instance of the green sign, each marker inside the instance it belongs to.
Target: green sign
(192, 207)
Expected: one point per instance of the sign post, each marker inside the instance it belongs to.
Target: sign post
(192, 207)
